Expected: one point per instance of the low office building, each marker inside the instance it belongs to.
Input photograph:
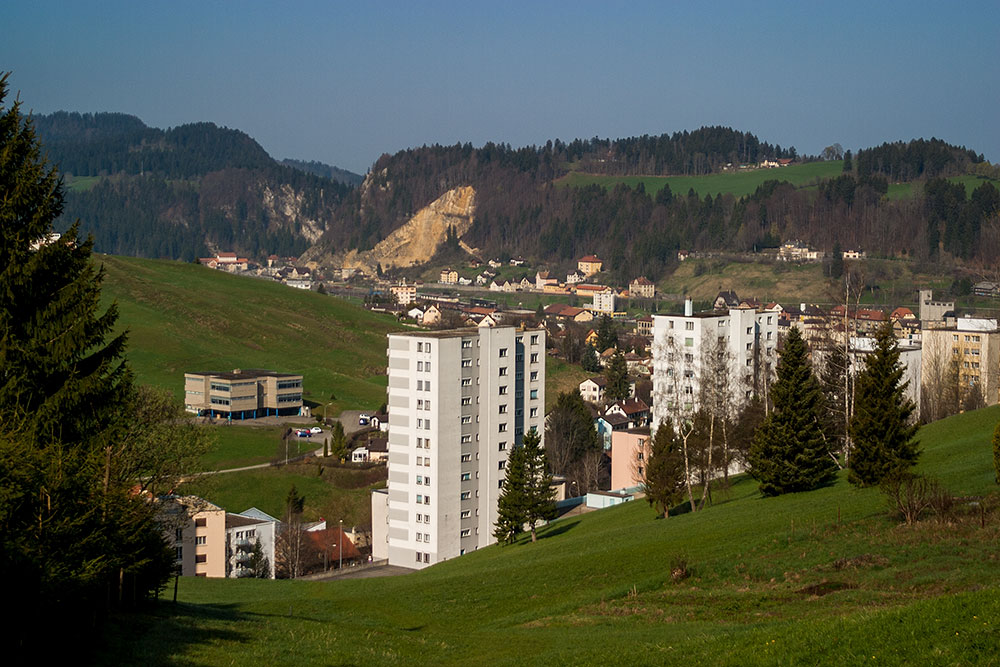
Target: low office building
(243, 394)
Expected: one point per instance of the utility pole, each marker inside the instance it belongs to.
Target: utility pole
(340, 547)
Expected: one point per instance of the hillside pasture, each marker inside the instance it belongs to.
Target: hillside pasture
(823, 577)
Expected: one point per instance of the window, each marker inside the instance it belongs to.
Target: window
(427, 385)
(640, 470)
(503, 409)
(179, 553)
(427, 537)
(427, 347)
(200, 523)
(420, 347)
(419, 555)
(179, 534)
(689, 342)
(501, 465)
(466, 363)
(420, 365)
(420, 460)
(503, 371)
(466, 514)
(466, 476)
(466, 382)
(503, 427)
(466, 344)
(534, 357)
(420, 498)
(201, 539)
(503, 446)
(466, 532)
(466, 419)
(534, 376)
(749, 347)
(419, 538)
(503, 390)
(466, 458)
(427, 404)
(420, 385)
(534, 394)
(503, 352)
(689, 326)
(427, 367)
(534, 412)
(749, 330)
(420, 479)
(420, 404)
(500, 484)
(466, 438)
(534, 340)
(427, 462)
(466, 400)
(749, 363)
(427, 518)
(427, 558)
(200, 558)
(427, 480)
(427, 424)
(420, 423)
(427, 500)
(466, 495)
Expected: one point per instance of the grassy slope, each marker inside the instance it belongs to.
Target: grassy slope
(736, 183)
(184, 317)
(598, 588)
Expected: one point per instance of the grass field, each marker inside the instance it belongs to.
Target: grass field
(337, 493)
(738, 183)
(823, 577)
(241, 445)
(184, 317)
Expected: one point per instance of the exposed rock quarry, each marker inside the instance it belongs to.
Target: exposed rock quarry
(416, 241)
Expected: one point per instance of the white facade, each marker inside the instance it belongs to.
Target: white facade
(604, 302)
(459, 400)
(684, 344)
(909, 361)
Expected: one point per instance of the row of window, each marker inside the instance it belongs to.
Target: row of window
(424, 424)
(423, 404)
(423, 347)
(290, 398)
(423, 443)
(423, 558)
(423, 537)
(424, 479)
(424, 461)
(423, 500)
(289, 384)
(423, 385)
(425, 366)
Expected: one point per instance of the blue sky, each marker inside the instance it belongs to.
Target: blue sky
(344, 83)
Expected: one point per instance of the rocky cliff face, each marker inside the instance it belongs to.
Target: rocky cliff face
(416, 241)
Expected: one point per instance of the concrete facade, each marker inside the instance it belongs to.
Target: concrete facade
(629, 454)
(197, 530)
(459, 400)
(243, 394)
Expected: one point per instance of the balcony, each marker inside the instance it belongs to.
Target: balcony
(243, 557)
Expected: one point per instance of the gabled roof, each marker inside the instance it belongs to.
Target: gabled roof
(633, 406)
(642, 280)
(599, 380)
(255, 513)
(590, 258)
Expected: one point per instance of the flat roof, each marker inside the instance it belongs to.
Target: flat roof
(245, 374)
(449, 333)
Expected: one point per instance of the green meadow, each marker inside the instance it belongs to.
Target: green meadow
(736, 183)
(824, 577)
(185, 317)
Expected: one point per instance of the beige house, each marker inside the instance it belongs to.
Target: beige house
(197, 530)
(243, 394)
(589, 265)
(968, 353)
(404, 294)
(432, 316)
(449, 276)
(642, 288)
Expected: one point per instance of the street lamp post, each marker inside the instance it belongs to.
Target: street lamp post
(340, 549)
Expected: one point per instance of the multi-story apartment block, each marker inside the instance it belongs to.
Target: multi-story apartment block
(404, 294)
(197, 530)
(243, 531)
(740, 342)
(642, 287)
(604, 302)
(967, 353)
(459, 401)
(243, 394)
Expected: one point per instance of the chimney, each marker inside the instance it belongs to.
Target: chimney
(688, 307)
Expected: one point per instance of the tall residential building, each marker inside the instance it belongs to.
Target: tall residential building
(967, 354)
(740, 342)
(459, 400)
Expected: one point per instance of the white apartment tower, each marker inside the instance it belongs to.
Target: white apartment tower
(684, 347)
(459, 400)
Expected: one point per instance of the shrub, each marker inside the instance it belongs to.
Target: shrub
(909, 495)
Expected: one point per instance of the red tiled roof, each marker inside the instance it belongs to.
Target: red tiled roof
(590, 258)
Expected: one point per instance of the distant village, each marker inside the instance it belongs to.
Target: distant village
(666, 359)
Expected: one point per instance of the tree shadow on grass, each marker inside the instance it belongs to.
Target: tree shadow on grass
(164, 631)
(556, 529)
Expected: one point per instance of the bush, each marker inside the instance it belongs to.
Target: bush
(909, 495)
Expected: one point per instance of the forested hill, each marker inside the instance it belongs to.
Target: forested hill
(183, 192)
(326, 171)
(522, 210)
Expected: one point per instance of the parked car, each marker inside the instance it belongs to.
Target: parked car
(303, 433)
(315, 429)
(363, 419)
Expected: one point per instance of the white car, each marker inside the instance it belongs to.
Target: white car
(315, 429)
(363, 419)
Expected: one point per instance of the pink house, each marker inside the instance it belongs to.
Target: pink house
(629, 453)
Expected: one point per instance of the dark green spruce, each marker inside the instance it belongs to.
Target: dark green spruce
(789, 452)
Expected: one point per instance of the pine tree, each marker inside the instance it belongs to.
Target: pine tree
(526, 497)
(617, 388)
(73, 539)
(881, 432)
(663, 476)
(590, 362)
(789, 452)
(607, 334)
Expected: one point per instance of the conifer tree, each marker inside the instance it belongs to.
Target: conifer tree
(73, 539)
(881, 432)
(617, 388)
(996, 453)
(663, 476)
(789, 452)
(526, 497)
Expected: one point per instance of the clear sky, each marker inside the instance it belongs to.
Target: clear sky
(345, 82)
